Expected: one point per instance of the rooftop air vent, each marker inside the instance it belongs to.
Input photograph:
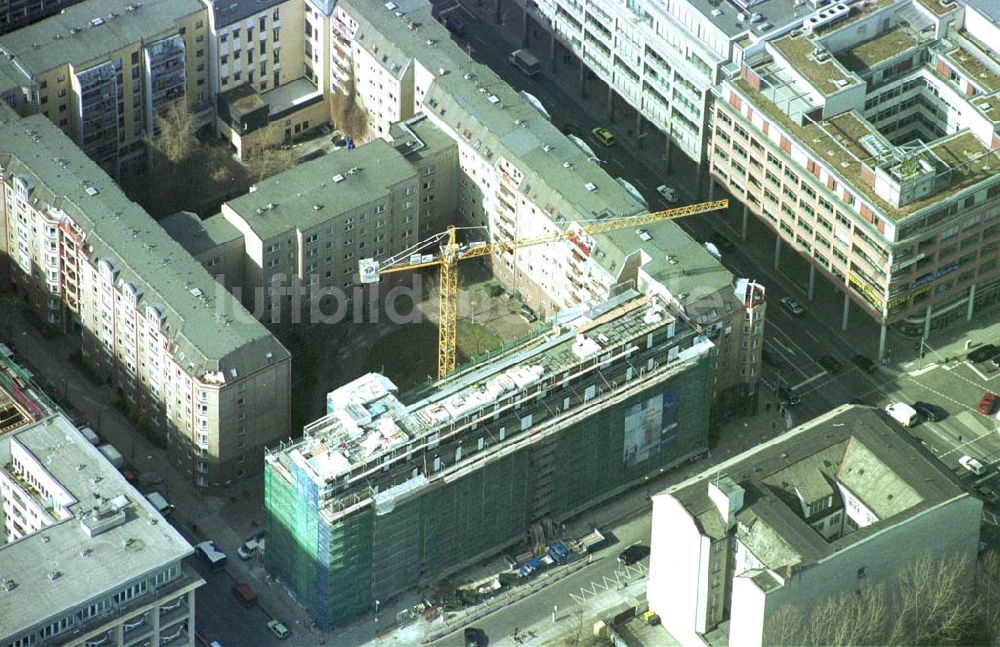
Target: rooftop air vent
(590, 186)
(338, 178)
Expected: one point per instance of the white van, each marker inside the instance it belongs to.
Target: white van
(903, 413)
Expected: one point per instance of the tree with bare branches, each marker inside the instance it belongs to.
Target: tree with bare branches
(346, 111)
(930, 602)
(270, 158)
(174, 136)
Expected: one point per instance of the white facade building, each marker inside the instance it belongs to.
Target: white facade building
(839, 501)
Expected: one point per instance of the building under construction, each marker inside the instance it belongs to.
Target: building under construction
(387, 491)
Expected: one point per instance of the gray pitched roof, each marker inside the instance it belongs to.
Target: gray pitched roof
(73, 35)
(307, 195)
(211, 331)
(227, 12)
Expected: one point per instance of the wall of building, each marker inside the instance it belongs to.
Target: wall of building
(678, 570)
(484, 504)
(948, 530)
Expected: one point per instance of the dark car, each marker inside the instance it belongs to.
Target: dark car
(788, 396)
(454, 25)
(830, 363)
(987, 494)
(570, 128)
(929, 411)
(864, 363)
(633, 554)
(983, 353)
(771, 358)
(721, 243)
(475, 637)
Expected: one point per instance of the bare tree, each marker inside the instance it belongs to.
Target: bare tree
(347, 112)
(930, 602)
(175, 134)
(269, 158)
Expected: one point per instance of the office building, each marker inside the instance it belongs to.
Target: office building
(660, 58)
(387, 490)
(842, 501)
(866, 141)
(195, 368)
(103, 70)
(84, 558)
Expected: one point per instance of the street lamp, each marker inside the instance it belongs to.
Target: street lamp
(377, 602)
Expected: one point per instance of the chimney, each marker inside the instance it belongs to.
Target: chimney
(727, 495)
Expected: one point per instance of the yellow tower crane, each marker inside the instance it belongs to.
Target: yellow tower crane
(451, 252)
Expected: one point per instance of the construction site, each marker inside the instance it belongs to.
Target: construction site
(388, 490)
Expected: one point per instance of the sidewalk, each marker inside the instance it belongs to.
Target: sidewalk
(228, 518)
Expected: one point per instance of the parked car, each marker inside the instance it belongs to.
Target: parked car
(667, 193)
(527, 313)
(929, 411)
(569, 128)
(830, 363)
(792, 306)
(987, 403)
(248, 548)
(987, 494)
(788, 396)
(722, 243)
(633, 554)
(475, 637)
(771, 358)
(983, 353)
(245, 595)
(454, 25)
(603, 135)
(972, 465)
(278, 629)
(864, 363)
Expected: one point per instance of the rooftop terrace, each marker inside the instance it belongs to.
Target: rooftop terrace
(870, 53)
(827, 75)
(838, 144)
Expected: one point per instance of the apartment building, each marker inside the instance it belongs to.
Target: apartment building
(388, 491)
(521, 178)
(84, 558)
(102, 70)
(842, 501)
(866, 142)
(661, 58)
(15, 14)
(195, 368)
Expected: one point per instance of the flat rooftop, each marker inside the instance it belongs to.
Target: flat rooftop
(312, 193)
(196, 235)
(288, 96)
(838, 144)
(367, 419)
(856, 446)
(777, 13)
(977, 64)
(887, 45)
(199, 318)
(86, 566)
(827, 76)
(91, 30)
